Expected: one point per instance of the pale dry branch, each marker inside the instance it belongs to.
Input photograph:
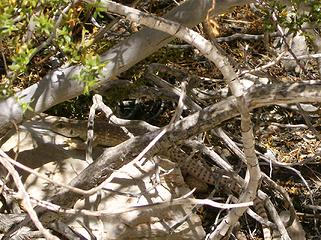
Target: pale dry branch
(24, 197)
(244, 36)
(268, 65)
(148, 207)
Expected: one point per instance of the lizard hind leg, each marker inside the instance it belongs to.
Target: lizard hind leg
(261, 211)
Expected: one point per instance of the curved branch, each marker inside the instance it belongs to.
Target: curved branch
(58, 86)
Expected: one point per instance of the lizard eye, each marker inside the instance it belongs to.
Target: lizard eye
(60, 125)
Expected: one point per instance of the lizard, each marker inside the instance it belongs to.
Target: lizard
(108, 135)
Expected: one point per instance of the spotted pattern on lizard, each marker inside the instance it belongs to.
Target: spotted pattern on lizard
(105, 134)
(110, 135)
(198, 169)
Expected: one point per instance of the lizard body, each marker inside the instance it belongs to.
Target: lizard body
(107, 134)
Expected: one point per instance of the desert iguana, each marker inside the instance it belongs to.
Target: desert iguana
(106, 134)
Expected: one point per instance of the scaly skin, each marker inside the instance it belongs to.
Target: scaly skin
(106, 134)
(218, 177)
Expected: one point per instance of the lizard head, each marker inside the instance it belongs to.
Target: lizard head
(65, 128)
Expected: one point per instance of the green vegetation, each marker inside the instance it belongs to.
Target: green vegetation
(34, 31)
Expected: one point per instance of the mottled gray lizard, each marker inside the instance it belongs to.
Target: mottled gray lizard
(107, 134)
